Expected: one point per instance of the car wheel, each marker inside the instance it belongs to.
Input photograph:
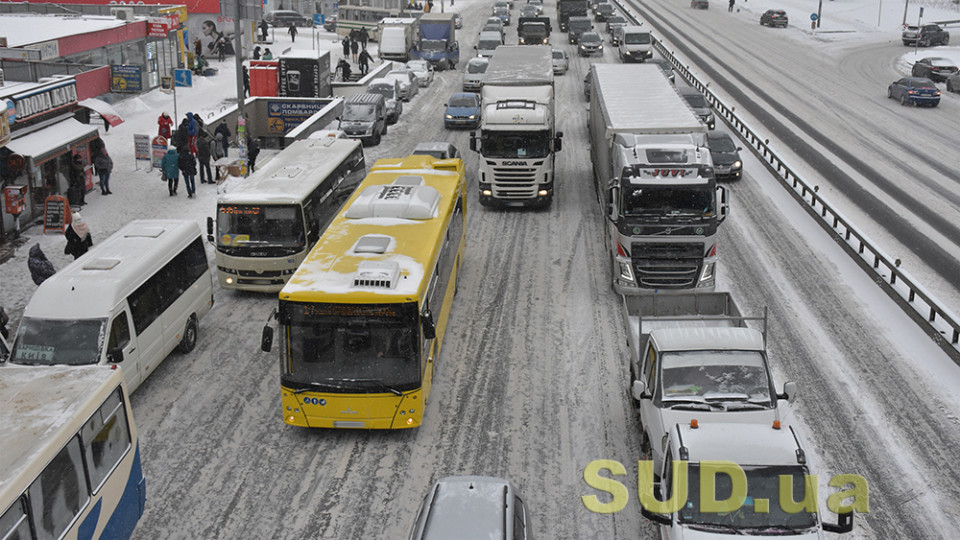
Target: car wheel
(946, 40)
(903, 99)
(189, 339)
(889, 92)
(925, 43)
(377, 139)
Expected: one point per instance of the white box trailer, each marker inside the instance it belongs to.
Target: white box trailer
(518, 139)
(655, 181)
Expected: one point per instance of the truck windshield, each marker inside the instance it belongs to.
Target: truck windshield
(358, 112)
(637, 39)
(260, 230)
(327, 342)
(433, 45)
(715, 377)
(44, 342)
(763, 484)
(668, 199)
(516, 144)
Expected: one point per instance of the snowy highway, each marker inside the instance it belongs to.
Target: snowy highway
(531, 384)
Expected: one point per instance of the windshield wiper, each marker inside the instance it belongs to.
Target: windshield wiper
(326, 383)
(777, 530)
(715, 527)
(721, 396)
(378, 383)
(697, 404)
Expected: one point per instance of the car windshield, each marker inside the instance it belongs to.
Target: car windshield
(590, 37)
(477, 67)
(247, 229)
(359, 112)
(385, 90)
(44, 342)
(668, 199)
(349, 345)
(558, 55)
(722, 144)
(637, 39)
(488, 44)
(715, 377)
(463, 101)
(517, 144)
(762, 484)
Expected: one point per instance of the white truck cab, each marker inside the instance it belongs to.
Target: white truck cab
(756, 461)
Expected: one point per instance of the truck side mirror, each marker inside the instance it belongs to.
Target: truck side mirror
(640, 390)
(789, 392)
(844, 523)
(429, 329)
(473, 141)
(266, 339)
(558, 142)
(724, 205)
(613, 195)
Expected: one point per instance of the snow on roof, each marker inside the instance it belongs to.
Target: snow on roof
(25, 29)
(55, 136)
(653, 109)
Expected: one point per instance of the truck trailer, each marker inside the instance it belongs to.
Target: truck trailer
(570, 8)
(518, 139)
(655, 182)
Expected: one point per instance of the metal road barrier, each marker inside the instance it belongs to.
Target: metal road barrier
(938, 322)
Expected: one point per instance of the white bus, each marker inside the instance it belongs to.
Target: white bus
(128, 301)
(69, 455)
(268, 222)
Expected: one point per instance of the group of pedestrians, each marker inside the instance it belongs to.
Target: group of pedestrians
(191, 148)
(355, 47)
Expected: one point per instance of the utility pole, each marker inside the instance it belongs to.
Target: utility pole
(238, 57)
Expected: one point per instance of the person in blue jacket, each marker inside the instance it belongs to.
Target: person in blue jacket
(170, 168)
(192, 130)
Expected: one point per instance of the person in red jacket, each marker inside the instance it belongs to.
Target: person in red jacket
(165, 123)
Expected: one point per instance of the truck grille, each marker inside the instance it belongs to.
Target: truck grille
(667, 266)
(515, 175)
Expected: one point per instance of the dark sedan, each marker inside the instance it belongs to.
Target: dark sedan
(935, 69)
(725, 155)
(915, 90)
(774, 17)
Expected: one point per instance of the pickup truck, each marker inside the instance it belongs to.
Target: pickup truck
(692, 355)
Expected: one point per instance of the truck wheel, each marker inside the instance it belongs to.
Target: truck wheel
(189, 339)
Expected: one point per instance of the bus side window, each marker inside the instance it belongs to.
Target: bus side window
(106, 438)
(59, 493)
(14, 523)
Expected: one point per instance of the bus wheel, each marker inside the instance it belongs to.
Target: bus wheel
(189, 339)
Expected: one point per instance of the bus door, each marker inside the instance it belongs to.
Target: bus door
(123, 340)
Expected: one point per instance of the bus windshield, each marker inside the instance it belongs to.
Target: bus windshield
(44, 342)
(347, 347)
(668, 200)
(260, 230)
(517, 144)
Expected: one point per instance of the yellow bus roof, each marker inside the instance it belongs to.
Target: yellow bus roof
(382, 245)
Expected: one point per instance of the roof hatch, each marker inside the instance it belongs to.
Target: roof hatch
(407, 197)
(144, 232)
(101, 264)
(378, 274)
(372, 243)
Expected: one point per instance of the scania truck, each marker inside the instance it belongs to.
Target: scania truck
(518, 140)
(655, 182)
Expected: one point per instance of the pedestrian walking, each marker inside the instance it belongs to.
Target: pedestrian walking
(344, 68)
(293, 32)
(354, 48)
(221, 48)
(253, 150)
(246, 82)
(170, 170)
(78, 177)
(267, 55)
(203, 157)
(78, 237)
(216, 152)
(188, 166)
(103, 165)
(192, 130)
(180, 135)
(364, 61)
(224, 131)
(40, 266)
(256, 52)
(346, 47)
(364, 37)
(166, 124)
(730, 6)
(263, 29)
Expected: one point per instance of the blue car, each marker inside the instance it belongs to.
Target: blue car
(915, 90)
(463, 110)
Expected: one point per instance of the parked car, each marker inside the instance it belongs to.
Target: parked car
(408, 82)
(935, 68)
(927, 35)
(285, 17)
(699, 4)
(699, 104)
(473, 74)
(439, 150)
(590, 43)
(667, 68)
(422, 70)
(915, 90)
(390, 90)
(774, 17)
(560, 62)
(463, 110)
(953, 83)
(470, 507)
(725, 155)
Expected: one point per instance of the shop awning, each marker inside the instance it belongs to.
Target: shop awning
(53, 139)
(104, 109)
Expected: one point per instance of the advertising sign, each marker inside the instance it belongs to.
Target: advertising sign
(141, 147)
(161, 26)
(124, 78)
(42, 100)
(159, 148)
(55, 209)
(284, 115)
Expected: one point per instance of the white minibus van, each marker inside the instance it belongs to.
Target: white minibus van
(128, 301)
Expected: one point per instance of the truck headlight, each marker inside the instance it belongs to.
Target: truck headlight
(626, 273)
(708, 270)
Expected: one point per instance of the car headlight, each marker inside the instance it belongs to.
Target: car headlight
(583, 47)
(544, 41)
(448, 116)
(736, 165)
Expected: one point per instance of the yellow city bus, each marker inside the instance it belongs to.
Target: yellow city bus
(362, 320)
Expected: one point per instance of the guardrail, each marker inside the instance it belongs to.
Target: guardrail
(941, 324)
